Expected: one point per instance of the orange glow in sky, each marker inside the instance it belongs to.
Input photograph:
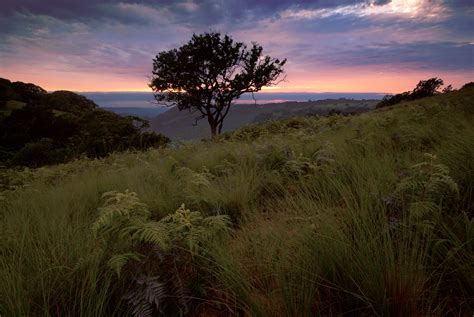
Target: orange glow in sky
(339, 80)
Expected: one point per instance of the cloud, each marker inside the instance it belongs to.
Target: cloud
(419, 55)
(136, 13)
(120, 37)
(424, 9)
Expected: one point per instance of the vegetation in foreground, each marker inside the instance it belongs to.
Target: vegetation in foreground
(357, 215)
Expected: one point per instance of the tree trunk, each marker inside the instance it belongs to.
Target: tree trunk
(213, 125)
(213, 131)
(214, 128)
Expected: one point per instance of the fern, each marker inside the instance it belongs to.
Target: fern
(124, 223)
(300, 166)
(193, 229)
(426, 188)
(156, 233)
(295, 166)
(325, 155)
(117, 208)
(117, 261)
(123, 218)
(194, 178)
(146, 296)
(194, 184)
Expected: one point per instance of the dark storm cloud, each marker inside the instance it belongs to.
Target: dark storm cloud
(73, 9)
(207, 12)
(25, 17)
(190, 13)
(62, 9)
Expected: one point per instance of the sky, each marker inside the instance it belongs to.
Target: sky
(331, 45)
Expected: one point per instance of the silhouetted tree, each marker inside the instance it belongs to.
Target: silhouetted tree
(448, 88)
(427, 88)
(209, 72)
(424, 88)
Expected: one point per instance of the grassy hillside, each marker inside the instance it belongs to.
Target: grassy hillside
(181, 125)
(360, 215)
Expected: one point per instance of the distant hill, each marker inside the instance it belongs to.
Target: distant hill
(143, 105)
(181, 125)
(140, 104)
(145, 113)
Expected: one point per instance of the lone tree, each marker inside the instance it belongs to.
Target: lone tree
(209, 72)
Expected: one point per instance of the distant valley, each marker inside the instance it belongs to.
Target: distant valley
(181, 125)
(145, 113)
(142, 104)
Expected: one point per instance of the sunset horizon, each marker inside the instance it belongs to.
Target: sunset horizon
(375, 86)
(339, 46)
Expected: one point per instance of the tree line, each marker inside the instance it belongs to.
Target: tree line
(424, 88)
(39, 128)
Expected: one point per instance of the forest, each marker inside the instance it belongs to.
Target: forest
(39, 128)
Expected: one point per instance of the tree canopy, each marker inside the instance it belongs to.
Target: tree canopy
(209, 72)
(39, 128)
(427, 88)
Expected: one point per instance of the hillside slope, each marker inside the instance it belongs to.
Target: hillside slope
(39, 128)
(181, 125)
(360, 215)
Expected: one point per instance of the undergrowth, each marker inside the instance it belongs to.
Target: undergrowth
(345, 215)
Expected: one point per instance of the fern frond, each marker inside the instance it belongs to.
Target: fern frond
(217, 223)
(118, 261)
(153, 232)
(194, 178)
(427, 187)
(146, 296)
(117, 207)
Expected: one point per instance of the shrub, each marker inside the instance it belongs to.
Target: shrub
(40, 153)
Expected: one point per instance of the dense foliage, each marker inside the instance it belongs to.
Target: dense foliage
(39, 128)
(364, 215)
(425, 88)
(209, 73)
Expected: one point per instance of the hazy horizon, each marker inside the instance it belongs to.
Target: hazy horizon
(145, 99)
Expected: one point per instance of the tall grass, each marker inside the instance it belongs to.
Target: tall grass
(320, 224)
